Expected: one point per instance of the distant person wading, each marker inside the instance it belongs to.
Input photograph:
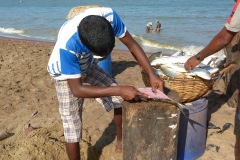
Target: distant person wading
(158, 26)
(149, 27)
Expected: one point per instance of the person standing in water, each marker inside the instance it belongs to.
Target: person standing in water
(158, 26)
(149, 27)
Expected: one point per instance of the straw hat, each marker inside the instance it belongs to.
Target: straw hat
(157, 21)
(150, 23)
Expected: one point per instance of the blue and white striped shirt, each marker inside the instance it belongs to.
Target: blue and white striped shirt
(70, 57)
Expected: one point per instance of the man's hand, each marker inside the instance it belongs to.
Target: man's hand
(131, 93)
(156, 83)
(191, 63)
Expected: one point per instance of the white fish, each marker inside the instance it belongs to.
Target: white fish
(3, 135)
(173, 66)
(187, 52)
(210, 69)
(202, 73)
(178, 71)
(159, 72)
(213, 70)
(207, 60)
(220, 61)
(179, 53)
(169, 72)
(214, 61)
(170, 59)
(177, 67)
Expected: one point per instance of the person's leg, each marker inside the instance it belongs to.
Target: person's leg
(237, 132)
(238, 141)
(98, 77)
(72, 132)
(73, 151)
(118, 122)
(70, 109)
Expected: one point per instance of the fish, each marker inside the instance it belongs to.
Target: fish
(157, 95)
(179, 105)
(3, 135)
(177, 67)
(208, 60)
(220, 61)
(159, 72)
(169, 72)
(202, 73)
(160, 96)
(169, 59)
(212, 70)
(178, 53)
(173, 66)
(178, 71)
(156, 55)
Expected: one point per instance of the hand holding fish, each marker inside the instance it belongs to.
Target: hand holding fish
(131, 93)
(156, 83)
(191, 63)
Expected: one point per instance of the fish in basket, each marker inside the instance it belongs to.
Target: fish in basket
(189, 85)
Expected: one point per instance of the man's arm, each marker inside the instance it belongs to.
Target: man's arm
(142, 59)
(222, 39)
(87, 91)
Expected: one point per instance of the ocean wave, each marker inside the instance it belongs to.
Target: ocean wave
(150, 43)
(47, 39)
(192, 50)
(153, 46)
(11, 31)
(28, 34)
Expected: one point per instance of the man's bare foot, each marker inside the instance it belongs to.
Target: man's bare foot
(119, 147)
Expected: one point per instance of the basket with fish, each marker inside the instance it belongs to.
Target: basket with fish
(189, 85)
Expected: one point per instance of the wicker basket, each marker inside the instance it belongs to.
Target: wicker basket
(189, 89)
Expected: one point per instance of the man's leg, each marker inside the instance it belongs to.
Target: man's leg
(73, 150)
(98, 77)
(70, 109)
(238, 147)
(118, 122)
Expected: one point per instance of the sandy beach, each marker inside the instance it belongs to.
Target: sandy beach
(28, 96)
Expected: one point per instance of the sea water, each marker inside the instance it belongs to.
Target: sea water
(186, 24)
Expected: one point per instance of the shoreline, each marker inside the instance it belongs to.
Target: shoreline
(52, 43)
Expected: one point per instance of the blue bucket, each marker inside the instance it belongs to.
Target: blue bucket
(192, 130)
(106, 64)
